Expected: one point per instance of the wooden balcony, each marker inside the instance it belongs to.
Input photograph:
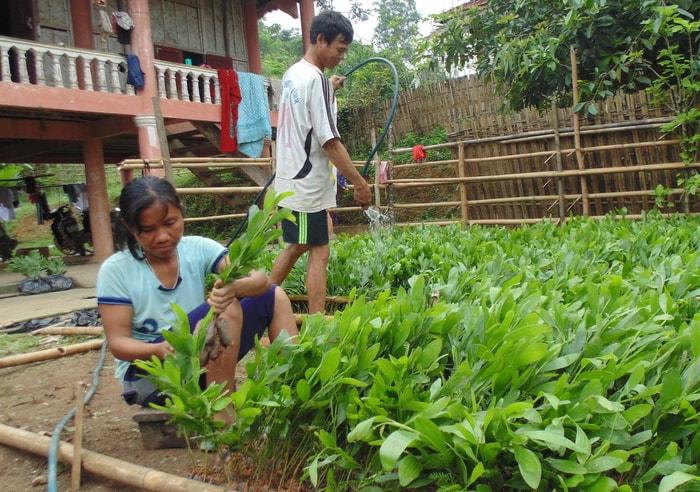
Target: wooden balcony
(55, 97)
(27, 63)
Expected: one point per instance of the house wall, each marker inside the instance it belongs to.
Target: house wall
(55, 25)
(206, 31)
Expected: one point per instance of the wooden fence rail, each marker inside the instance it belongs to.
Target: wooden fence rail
(512, 179)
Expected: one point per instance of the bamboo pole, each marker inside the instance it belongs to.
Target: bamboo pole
(462, 170)
(53, 353)
(560, 167)
(223, 190)
(377, 170)
(410, 183)
(205, 165)
(187, 162)
(215, 217)
(69, 330)
(104, 466)
(577, 134)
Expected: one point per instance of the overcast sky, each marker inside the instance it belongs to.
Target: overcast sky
(365, 30)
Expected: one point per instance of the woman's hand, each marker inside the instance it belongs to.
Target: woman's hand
(163, 349)
(255, 284)
(222, 295)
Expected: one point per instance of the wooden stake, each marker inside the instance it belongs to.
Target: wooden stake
(104, 466)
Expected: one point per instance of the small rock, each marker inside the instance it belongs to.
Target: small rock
(40, 480)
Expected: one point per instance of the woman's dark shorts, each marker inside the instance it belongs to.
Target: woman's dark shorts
(257, 315)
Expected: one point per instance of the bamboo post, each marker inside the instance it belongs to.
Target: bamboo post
(462, 170)
(557, 147)
(78, 436)
(577, 134)
(390, 175)
(69, 330)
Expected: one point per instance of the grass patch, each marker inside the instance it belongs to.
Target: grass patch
(22, 343)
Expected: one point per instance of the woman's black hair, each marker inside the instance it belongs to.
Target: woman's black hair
(138, 195)
(331, 23)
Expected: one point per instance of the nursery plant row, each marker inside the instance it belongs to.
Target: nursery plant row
(542, 357)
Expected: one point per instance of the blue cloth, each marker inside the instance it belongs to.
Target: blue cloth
(134, 74)
(253, 114)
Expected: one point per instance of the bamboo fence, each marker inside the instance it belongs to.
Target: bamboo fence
(530, 165)
(508, 168)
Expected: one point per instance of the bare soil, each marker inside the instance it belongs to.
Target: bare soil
(27, 229)
(36, 397)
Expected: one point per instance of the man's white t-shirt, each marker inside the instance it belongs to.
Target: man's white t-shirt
(306, 121)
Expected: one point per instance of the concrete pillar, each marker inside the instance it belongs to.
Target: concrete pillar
(81, 17)
(126, 175)
(307, 14)
(149, 144)
(250, 19)
(100, 223)
(142, 46)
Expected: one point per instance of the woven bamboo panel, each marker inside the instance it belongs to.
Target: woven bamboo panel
(624, 134)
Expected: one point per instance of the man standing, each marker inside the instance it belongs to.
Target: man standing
(307, 141)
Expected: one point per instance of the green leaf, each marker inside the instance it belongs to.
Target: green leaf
(671, 388)
(409, 469)
(529, 466)
(303, 390)
(362, 431)
(695, 335)
(329, 364)
(675, 480)
(393, 446)
(567, 466)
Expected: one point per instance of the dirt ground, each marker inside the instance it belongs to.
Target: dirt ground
(36, 397)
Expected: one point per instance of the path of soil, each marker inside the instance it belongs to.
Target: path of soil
(37, 396)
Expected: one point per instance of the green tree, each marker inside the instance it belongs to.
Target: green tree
(526, 46)
(356, 11)
(396, 35)
(279, 48)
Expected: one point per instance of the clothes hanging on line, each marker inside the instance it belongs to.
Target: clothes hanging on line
(78, 195)
(9, 201)
(253, 115)
(230, 100)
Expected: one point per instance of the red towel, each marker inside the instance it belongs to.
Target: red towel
(230, 98)
(418, 153)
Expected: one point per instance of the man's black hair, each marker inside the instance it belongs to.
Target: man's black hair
(331, 24)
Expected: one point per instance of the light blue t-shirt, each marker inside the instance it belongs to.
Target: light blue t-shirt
(125, 281)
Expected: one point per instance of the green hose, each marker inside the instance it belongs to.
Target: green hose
(52, 480)
(389, 120)
(392, 111)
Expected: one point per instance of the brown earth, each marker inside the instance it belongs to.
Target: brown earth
(28, 229)
(36, 397)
